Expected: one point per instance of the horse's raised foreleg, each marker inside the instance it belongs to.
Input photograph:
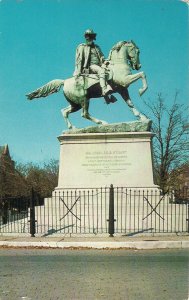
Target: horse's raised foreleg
(85, 114)
(134, 77)
(66, 111)
(144, 82)
(125, 95)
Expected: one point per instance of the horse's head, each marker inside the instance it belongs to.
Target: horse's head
(133, 55)
(126, 51)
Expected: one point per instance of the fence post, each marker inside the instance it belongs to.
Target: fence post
(32, 213)
(187, 220)
(111, 212)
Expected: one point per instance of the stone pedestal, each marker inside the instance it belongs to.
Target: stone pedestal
(123, 159)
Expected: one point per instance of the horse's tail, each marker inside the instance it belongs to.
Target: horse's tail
(51, 87)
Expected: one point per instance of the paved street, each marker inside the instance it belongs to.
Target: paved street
(94, 274)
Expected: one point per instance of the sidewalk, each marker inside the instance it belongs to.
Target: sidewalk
(97, 242)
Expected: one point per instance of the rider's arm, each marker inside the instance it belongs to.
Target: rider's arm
(78, 60)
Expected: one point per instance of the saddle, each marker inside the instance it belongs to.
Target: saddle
(86, 80)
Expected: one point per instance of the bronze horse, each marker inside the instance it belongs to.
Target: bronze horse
(79, 90)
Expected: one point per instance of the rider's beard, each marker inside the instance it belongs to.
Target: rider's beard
(89, 42)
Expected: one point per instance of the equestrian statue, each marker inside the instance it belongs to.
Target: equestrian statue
(96, 77)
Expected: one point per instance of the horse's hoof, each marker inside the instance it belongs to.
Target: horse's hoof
(71, 127)
(103, 123)
(141, 92)
(143, 118)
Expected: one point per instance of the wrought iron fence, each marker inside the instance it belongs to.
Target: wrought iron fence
(120, 210)
(14, 214)
(140, 211)
(74, 211)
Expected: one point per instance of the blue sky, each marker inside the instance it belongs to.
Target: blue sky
(38, 39)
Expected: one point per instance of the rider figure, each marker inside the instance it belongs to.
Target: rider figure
(89, 59)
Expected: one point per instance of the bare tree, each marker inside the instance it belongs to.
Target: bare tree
(42, 179)
(170, 144)
(11, 181)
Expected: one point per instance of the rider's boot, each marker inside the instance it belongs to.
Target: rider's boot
(107, 90)
(111, 99)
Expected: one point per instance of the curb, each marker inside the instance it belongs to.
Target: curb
(140, 245)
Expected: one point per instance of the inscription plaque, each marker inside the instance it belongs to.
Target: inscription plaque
(105, 162)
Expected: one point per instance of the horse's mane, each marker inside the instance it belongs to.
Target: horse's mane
(118, 45)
